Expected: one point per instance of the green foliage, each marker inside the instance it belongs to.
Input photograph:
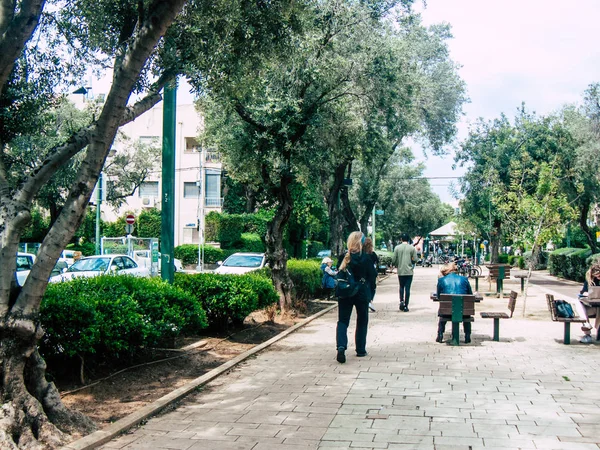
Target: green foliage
(569, 263)
(148, 223)
(112, 317)
(314, 247)
(86, 249)
(188, 254)
(502, 259)
(229, 229)
(306, 276)
(37, 228)
(252, 242)
(86, 233)
(226, 298)
(385, 258)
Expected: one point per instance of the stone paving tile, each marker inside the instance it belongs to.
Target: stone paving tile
(528, 391)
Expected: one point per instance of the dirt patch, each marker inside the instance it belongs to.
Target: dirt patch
(112, 398)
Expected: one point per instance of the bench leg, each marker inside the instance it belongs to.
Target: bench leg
(476, 284)
(567, 339)
(522, 285)
(497, 329)
(455, 334)
(499, 287)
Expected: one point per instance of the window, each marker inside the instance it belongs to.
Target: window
(191, 145)
(191, 189)
(213, 187)
(149, 189)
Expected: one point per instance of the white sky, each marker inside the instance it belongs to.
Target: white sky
(541, 52)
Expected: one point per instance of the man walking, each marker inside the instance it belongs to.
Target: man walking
(404, 259)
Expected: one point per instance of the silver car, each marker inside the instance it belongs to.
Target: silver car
(240, 263)
(92, 266)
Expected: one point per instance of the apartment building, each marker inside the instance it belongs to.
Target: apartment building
(197, 173)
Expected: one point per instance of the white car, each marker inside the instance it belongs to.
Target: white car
(92, 266)
(68, 256)
(144, 259)
(240, 263)
(25, 263)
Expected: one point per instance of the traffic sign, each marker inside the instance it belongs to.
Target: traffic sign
(130, 219)
(379, 212)
(128, 228)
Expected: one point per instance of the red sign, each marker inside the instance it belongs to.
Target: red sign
(130, 219)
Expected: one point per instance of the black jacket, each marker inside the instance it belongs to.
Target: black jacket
(361, 266)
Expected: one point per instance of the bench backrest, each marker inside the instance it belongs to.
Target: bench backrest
(446, 305)
(512, 302)
(554, 314)
(495, 271)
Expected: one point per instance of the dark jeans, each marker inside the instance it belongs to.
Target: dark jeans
(466, 326)
(405, 282)
(361, 303)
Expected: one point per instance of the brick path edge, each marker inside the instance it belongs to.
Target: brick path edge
(100, 437)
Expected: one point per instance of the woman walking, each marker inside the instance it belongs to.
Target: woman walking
(363, 271)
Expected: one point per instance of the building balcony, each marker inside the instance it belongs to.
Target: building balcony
(213, 202)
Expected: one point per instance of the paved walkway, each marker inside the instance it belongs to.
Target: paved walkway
(527, 391)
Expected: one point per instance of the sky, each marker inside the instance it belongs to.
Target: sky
(541, 52)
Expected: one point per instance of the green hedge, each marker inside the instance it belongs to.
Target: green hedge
(306, 276)
(228, 297)
(188, 254)
(228, 229)
(385, 258)
(314, 247)
(252, 242)
(112, 317)
(569, 263)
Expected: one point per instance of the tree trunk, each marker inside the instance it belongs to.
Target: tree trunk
(276, 253)
(332, 197)
(349, 217)
(495, 240)
(583, 216)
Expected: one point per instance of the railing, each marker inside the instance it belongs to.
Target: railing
(212, 157)
(213, 202)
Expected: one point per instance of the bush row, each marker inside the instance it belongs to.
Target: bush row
(188, 253)
(229, 228)
(113, 316)
(570, 263)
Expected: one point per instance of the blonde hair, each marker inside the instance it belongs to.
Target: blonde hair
(592, 274)
(368, 245)
(448, 268)
(354, 246)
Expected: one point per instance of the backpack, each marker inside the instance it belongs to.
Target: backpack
(346, 285)
(564, 309)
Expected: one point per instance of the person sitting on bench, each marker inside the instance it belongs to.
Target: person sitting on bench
(451, 282)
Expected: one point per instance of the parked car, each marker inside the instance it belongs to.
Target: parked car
(25, 263)
(324, 253)
(92, 266)
(240, 263)
(61, 266)
(69, 256)
(144, 259)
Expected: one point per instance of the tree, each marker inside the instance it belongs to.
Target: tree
(125, 35)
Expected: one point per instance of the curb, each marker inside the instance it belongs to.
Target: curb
(100, 437)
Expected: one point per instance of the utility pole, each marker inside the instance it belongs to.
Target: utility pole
(167, 233)
(99, 194)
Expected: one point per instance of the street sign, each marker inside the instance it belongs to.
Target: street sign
(379, 212)
(130, 219)
(597, 236)
(128, 228)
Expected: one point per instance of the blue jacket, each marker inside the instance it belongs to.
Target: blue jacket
(453, 284)
(328, 282)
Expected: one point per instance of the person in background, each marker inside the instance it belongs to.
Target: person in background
(368, 249)
(328, 280)
(592, 278)
(450, 282)
(362, 269)
(404, 259)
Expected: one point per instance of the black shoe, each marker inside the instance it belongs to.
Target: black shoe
(405, 309)
(402, 306)
(341, 355)
(468, 339)
(360, 355)
(440, 338)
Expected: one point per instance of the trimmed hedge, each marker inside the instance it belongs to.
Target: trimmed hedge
(112, 317)
(228, 228)
(385, 258)
(569, 263)
(188, 254)
(306, 276)
(251, 242)
(228, 297)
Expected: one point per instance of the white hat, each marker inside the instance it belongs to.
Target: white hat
(326, 260)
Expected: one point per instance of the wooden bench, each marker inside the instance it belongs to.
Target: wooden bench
(566, 320)
(456, 309)
(499, 272)
(521, 276)
(512, 301)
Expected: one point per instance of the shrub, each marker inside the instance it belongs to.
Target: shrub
(230, 231)
(569, 263)
(306, 276)
(114, 316)
(385, 258)
(188, 253)
(251, 242)
(502, 259)
(225, 297)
